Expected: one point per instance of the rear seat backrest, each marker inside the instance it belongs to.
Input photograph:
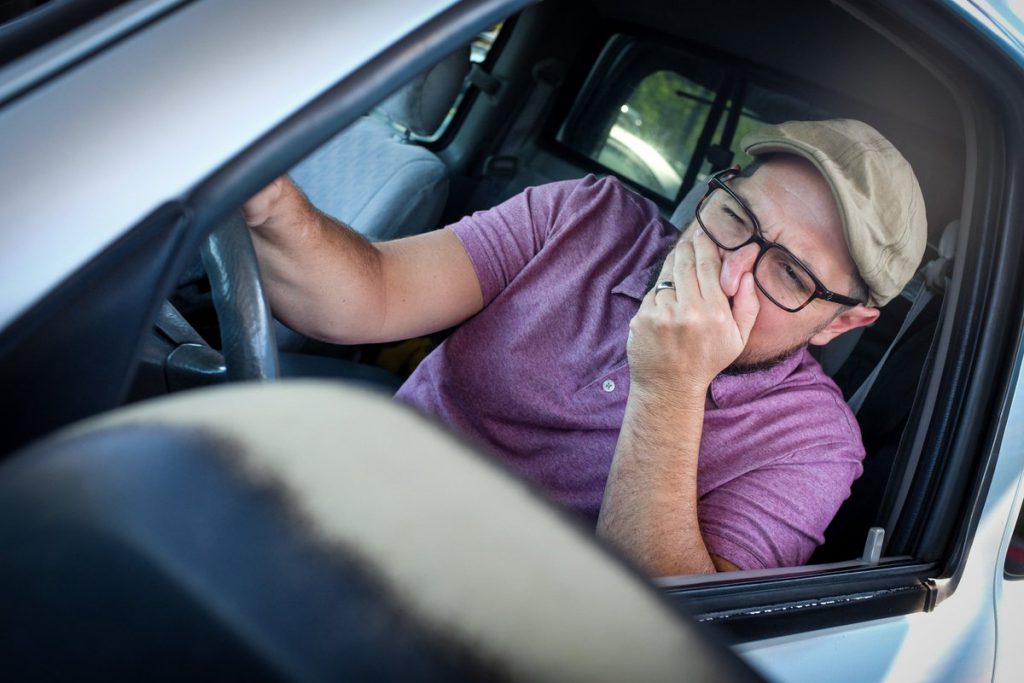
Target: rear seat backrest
(371, 176)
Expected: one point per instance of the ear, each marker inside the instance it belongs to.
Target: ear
(857, 316)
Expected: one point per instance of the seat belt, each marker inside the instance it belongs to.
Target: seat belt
(931, 280)
(547, 75)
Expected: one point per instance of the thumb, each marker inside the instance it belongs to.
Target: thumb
(745, 306)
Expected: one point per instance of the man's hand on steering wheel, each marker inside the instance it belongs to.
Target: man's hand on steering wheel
(259, 208)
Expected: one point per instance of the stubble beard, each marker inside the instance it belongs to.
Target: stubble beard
(745, 366)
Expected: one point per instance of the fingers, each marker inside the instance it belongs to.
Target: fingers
(691, 332)
(708, 266)
(683, 272)
(665, 275)
(667, 265)
(697, 269)
(745, 306)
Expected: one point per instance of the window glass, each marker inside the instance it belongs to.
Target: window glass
(766, 104)
(748, 121)
(642, 118)
(759, 105)
(653, 137)
(482, 44)
(645, 108)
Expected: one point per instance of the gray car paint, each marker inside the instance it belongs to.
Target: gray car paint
(91, 152)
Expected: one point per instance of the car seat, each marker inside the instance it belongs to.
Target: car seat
(372, 176)
(897, 347)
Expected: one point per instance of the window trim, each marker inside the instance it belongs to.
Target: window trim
(318, 121)
(92, 30)
(616, 45)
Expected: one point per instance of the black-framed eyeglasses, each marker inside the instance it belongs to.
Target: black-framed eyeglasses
(782, 277)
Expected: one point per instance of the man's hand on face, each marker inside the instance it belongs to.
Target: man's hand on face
(681, 339)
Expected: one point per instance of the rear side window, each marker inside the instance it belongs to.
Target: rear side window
(665, 119)
(764, 102)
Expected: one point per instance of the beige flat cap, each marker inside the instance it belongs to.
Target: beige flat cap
(878, 195)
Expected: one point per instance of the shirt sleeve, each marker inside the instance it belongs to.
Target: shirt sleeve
(501, 241)
(775, 516)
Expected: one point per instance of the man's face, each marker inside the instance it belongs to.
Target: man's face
(794, 207)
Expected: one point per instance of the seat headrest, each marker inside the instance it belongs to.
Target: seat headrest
(421, 105)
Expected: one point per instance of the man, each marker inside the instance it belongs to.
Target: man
(720, 444)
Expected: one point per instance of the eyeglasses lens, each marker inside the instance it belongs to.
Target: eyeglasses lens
(725, 220)
(783, 278)
(780, 276)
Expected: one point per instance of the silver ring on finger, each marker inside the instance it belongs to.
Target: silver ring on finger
(664, 284)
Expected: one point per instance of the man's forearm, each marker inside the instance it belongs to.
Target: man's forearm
(322, 278)
(650, 502)
(684, 334)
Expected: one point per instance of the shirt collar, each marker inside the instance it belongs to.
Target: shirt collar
(729, 390)
(635, 285)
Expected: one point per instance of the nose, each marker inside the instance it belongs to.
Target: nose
(734, 265)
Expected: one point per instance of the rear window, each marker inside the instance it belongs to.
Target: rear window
(664, 119)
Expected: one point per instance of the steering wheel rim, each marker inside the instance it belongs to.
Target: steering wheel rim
(248, 342)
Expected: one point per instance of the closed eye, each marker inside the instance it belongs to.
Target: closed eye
(795, 276)
(733, 215)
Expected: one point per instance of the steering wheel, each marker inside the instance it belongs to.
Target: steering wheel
(246, 326)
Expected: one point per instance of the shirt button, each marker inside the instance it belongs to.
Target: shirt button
(608, 386)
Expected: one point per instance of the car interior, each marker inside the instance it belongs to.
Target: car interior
(661, 101)
(659, 96)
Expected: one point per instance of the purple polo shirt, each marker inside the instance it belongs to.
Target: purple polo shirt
(539, 377)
